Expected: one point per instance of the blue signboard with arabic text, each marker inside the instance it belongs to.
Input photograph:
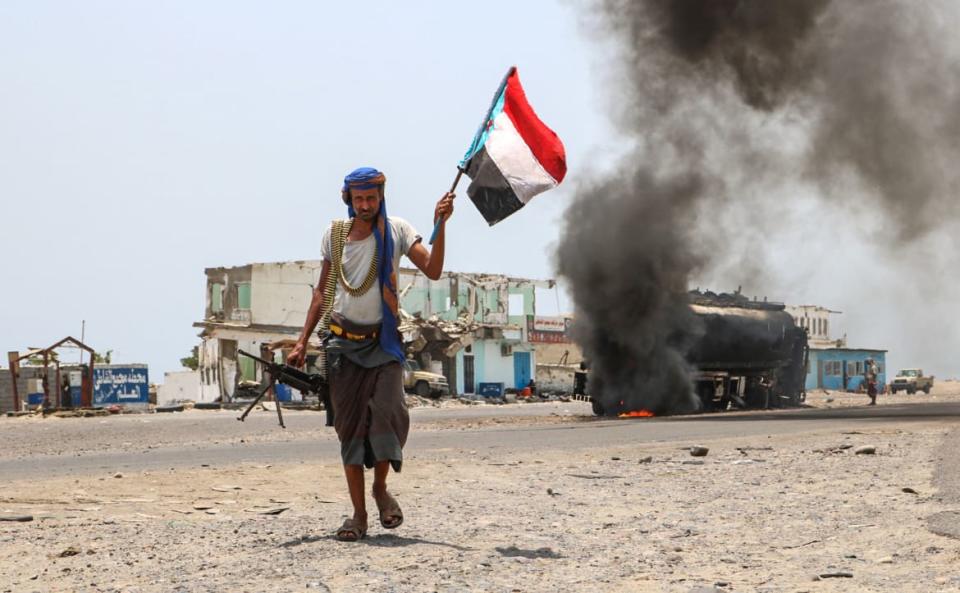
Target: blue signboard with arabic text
(121, 384)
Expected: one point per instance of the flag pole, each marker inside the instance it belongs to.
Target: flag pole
(436, 227)
(474, 145)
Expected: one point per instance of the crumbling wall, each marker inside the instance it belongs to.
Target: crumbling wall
(448, 298)
(229, 278)
(555, 377)
(209, 369)
(229, 370)
(486, 297)
(524, 289)
(26, 374)
(560, 353)
(6, 391)
(179, 386)
(282, 291)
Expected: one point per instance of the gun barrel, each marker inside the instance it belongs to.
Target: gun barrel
(294, 382)
(289, 375)
(256, 358)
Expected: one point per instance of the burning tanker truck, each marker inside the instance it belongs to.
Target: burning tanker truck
(751, 355)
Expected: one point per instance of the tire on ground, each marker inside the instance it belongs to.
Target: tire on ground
(597, 407)
(422, 388)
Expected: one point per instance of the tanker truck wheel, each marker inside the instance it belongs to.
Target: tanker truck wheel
(597, 407)
(926, 390)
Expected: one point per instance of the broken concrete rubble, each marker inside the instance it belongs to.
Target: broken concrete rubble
(436, 336)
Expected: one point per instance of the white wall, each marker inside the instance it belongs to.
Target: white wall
(553, 377)
(210, 369)
(496, 368)
(816, 320)
(281, 292)
(180, 386)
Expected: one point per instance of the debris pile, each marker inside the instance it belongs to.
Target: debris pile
(440, 338)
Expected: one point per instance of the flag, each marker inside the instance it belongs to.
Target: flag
(514, 156)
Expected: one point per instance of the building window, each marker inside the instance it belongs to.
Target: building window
(248, 369)
(834, 368)
(826, 328)
(859, 368)
(516, 305)
(243, 296)
(216, 297)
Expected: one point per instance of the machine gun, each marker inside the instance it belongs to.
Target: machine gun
(292, 377)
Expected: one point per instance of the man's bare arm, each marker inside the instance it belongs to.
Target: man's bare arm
(430, 262)
(299, 353)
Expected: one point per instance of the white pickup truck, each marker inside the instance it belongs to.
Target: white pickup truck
(423, 383)
(911, 381)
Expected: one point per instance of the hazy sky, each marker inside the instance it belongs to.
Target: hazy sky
(142, 142)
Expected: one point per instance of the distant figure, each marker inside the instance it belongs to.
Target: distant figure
(580, 380)
(532, 387)
(870, 372)
(65, 395)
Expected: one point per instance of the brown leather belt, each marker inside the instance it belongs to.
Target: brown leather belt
(339, 331)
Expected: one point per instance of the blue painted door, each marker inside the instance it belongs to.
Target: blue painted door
(521, 369)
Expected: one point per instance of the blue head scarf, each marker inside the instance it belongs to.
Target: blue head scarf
(370, 178)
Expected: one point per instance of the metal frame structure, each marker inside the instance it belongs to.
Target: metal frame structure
(48, 354)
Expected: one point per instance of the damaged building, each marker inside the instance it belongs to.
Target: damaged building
(480, 331)
(832, 363)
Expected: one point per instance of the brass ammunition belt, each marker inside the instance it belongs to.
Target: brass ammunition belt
(341, 228)
(339, 331)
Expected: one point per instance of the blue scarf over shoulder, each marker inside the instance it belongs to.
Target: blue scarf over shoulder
(369, 178)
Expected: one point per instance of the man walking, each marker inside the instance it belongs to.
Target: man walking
(870, 372)
(363, 346)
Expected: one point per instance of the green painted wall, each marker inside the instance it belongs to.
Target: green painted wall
(529, 304)
(416, 300)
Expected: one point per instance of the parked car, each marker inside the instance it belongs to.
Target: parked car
(423, 383)
(911, 381)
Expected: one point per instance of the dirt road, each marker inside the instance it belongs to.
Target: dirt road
(535, 499)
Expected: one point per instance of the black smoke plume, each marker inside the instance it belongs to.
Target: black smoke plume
(729, 103)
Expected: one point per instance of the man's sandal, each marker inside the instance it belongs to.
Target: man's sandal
(351, 531)
(391, 516)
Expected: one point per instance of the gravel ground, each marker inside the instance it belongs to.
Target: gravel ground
(943, 391)
(749, 516)
(28, 436)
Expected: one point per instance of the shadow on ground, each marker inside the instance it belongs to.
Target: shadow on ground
(386, 540)
(514, 552)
